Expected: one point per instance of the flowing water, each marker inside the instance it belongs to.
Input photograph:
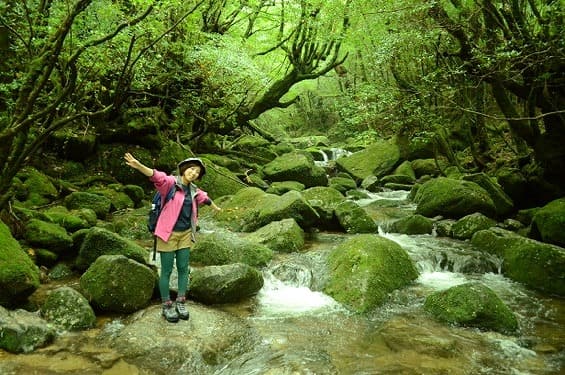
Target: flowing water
(306, 332)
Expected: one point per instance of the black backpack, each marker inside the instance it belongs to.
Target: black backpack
(156, 207)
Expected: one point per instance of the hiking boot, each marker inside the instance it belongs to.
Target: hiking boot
(181, 309)
(170, 313)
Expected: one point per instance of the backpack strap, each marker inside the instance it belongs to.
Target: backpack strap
(168, 197)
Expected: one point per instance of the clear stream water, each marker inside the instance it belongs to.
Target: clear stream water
(307, 332)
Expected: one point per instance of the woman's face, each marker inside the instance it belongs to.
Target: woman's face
(191, 174)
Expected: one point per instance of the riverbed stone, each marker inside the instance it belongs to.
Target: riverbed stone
(281, 187)
(100, 241)
(22, 331)
(284, 236)
(452, 198)
(324, 200)
(548, 223)
(472, 305)
(222, 247)
(19, 276)
(251, 208)
(364, 269)
(378, 159)
(295, 166)
(115, 283)
(464, 228)
(207, 340)
(224, 284)
(68, 309)
(414, 224)
(536, 264)
(354, 219)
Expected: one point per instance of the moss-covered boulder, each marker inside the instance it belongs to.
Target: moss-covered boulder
(295, 166)
(502, 202)
(324, 200)
(414, 224)
(221, 248)
(342, 184)
(284, 236)
(379, 159)
(225, 284)
(364, 269)
(114, 192)
(250, 208)
(548, 223)
(472, 305)
(282, 187)
(464, 228)
(80, 199)
(115, 283)
(77, 146)
(354, 219)
(23, 331)
(536, 264)
(72, 220)
(452, 198)
(68, 309)
(19, 276)
(255, 145)
(99, 241)
(426, 167)
(47, 235)
(219, 181)
(40, 190)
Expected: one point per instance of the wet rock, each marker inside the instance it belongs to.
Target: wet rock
(282, 236)
(22, 331)
(115, 283)
(468, 225)
(223, 284)
(472, 305)
(68, 309)
(354, 219)
(364, 269)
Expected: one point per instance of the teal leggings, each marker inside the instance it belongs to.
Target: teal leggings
(167, 261)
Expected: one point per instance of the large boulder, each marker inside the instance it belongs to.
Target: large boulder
(472, 305)
(548, 223)
(19, 276)
(251, 208)
(295, 166)
(219, 181)
(536, 264)
(99, 241)
(115, 283)
(364, 269)
(219, 248)
(71, 220)
(284, 236)
(80, 199)
(68, 309)
(464, 228)
(414, 224)
(379, 159)
(23, 331)
(39, 188)
(47, 235)
(452, 198)
(225, 284)
(502, 202)
(354, 219)
(324, 200)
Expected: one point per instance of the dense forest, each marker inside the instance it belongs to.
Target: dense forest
(484, 79)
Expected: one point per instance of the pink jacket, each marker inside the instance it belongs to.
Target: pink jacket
(170, 213)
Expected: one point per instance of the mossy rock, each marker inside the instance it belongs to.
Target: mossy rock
(19, 277)
(364, 269)
(472, 305)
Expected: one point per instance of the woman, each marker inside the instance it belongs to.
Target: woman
(176, 227)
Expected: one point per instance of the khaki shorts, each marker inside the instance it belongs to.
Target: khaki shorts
(178, 240)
